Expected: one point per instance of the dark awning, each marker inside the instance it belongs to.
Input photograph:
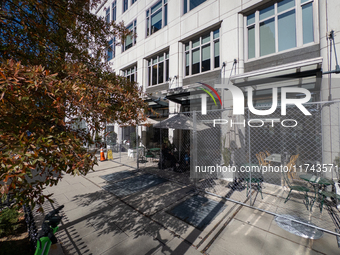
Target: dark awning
(184, 96)
(296, 70)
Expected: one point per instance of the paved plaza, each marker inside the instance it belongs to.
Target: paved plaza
(119, 210)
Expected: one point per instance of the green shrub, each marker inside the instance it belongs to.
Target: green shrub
(8, 221)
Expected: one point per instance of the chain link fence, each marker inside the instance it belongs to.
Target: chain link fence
(286, 165)
(282, 164)
(121, 144)
(166, 145)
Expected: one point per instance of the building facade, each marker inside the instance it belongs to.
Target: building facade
(183, 43)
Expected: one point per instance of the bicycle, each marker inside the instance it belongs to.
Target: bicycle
(46, 235)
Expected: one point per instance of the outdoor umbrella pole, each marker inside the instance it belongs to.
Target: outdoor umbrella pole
(137, 156)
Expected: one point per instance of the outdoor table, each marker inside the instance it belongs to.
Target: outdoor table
(317, 183)
(316, 180)
(154, 149)
(294, 225)
(274, 158)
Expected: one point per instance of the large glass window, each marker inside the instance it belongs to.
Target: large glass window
(131, 73)
(158, 69)
(111, 49)
(287, 30)
(278, 27)
(125, 5)
(156, 17)
(267, 37)
(107, 15)
(202, 53)
(188, 5)
(251, 35)
(133, 1)
(114, 11)
(130, 40)
(307, 23)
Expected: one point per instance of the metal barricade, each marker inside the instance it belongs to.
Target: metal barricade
(281, 164)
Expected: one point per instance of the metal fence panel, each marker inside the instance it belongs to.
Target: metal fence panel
(286, 165)
(283, 164)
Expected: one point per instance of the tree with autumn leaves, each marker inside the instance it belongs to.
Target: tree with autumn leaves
(52, 76)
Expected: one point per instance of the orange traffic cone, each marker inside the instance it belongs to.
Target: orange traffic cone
(102, 156)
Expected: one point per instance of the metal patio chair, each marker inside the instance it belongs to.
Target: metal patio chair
(150, 155)
(141, 155)
(328, 194)
(255, 181)
(260, 157)
(290, 165)
(299, 188)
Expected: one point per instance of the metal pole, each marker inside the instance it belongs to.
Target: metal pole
(276, 214)
(222, 81)
(339, 140)
(120, 146)
(194, 148)
(330, 133)
(137, 156)
(330, 73)
(249, 149)
(160, 144)
(322, 135)
(180, 132)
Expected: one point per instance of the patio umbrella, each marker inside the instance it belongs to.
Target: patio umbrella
(180, 121)
(148, 122)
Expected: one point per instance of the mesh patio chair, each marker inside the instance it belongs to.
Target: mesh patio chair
(290, 165)
(261, 158)
(299, 188)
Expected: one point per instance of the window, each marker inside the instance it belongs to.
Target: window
(188, 5)
(125, 5)
(111, 49)
(284, 25)
(130, 40)
(158, 69)
(133, 1)
(202, 53)
(114, 11)
(131, 73)
(156, 17)
(107, 16)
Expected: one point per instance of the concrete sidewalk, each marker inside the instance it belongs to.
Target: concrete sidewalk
(98, 222)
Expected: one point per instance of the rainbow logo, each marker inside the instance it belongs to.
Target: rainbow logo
(208, 92)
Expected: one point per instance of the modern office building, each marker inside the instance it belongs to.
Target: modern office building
(183, 43)
(268, 49)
